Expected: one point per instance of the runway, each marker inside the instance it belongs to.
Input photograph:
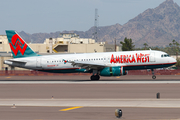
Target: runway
(86, 113)
(37, 98)
(138, 103)
(87, 78)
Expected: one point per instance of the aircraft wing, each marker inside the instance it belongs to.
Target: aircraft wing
(89, 66)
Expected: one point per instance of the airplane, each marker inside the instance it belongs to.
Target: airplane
(99, 64)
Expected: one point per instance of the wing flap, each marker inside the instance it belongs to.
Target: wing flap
(84, 65)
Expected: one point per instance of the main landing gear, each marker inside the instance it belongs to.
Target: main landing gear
(95, 77)
(153, 77)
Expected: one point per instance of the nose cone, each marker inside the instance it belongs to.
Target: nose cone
(174, 61)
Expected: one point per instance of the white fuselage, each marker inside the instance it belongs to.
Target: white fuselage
(130, 60)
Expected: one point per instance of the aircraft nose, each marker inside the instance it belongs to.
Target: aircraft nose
(174, 60)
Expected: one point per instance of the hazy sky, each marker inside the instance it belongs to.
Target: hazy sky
(33, 16)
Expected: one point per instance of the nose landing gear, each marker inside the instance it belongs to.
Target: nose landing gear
(153, 77)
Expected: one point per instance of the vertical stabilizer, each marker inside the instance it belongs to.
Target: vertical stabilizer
(18, 46)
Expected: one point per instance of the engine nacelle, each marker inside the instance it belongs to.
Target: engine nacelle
(113, 71)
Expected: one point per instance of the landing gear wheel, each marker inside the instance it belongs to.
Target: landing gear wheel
(92, 77)
(95, 77)
(153, 77)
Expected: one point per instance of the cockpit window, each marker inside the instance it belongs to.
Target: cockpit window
(165, 55)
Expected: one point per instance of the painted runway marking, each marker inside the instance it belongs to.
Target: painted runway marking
(72, 108)
(8, 77)
(117, 77)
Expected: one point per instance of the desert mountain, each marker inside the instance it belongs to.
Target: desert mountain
(156, 27)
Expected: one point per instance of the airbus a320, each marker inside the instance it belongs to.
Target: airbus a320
(99, 64)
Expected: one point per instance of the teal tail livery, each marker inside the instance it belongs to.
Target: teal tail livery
(18, 46)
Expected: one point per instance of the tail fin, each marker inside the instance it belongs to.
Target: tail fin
(18, 46)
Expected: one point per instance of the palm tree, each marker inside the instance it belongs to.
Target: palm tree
(145, 45)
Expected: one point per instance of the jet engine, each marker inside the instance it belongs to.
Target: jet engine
(113, 71)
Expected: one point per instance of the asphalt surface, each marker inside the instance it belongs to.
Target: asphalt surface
(87, 113)
(97, 99)
(90, 91)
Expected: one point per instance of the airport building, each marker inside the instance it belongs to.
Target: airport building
(66, 43)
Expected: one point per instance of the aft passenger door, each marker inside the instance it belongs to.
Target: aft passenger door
(38, 62)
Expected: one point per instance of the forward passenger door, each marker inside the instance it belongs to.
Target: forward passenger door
(152, 57)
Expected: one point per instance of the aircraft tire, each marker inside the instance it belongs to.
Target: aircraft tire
(95, 77)
(92, 77)
(153, 77)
